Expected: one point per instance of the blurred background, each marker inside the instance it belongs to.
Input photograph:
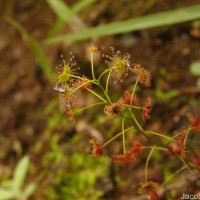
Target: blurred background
(42, 156)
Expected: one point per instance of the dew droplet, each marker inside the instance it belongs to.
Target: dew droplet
(112, 48)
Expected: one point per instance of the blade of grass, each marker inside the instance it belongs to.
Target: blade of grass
(7, 194)
(81, 5)
(155, 20)
(66, 14)
(59, 24)
(20, 173)
(64, 11)
(61, 9)
(34, 46)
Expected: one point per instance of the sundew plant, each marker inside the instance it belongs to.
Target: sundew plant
(129, 110)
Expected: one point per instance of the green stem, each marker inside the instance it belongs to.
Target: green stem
(107, 70)
(136, 107)
(78, 77)
(96, 82)
(107, 81)
(81, 86)
(117, 136)
(95, 104)
(184, 162)
(92, 65)
(147, 162)
(99, 84)
(82, 78)
(124, 147)
(97, 95)
(186, 135)
(176, 135)
(157, 148)
(170, 177)
(133, 92)
(140, 127)
(91, 81)
(135, 120)
(158, 134)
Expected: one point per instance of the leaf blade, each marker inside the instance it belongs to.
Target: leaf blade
(20, 173)
(154, 20)
(34, 47)
(81, 5)
(60, 22)
(61, 9)
(28, 191)
(7, 194)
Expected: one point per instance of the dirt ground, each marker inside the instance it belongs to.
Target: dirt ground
(25, 90)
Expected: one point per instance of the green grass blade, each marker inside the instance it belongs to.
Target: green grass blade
(61, 9)
(65, 14)
(7, 194)
(28, 191)
(41, 58)
(20, 173)
(34, 46)
(64, 11)
(81, 5)
(57, 26)
(154, 20)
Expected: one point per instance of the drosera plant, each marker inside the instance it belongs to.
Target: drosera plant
(12, 189)
(126, 108)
